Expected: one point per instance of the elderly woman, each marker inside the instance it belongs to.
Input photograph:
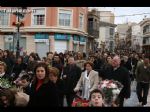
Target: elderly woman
(3, 67)
(88, 81)
(54, 77)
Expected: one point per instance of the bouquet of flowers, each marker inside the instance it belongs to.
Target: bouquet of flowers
(111, 90)
(79, 102)
(5, 83)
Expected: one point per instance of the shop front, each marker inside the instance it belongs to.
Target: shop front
(42, 44)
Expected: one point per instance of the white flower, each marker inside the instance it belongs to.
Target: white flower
(116, 91)
(113, 85)
(106, 81)
(104, 85)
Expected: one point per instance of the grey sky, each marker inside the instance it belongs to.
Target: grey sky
(127, 11)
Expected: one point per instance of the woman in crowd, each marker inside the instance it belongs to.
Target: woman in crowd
(8, 60)
(18, 67)
(80, 61)
(3, 70)
(54, 77)
(31, 63)
(43, 91)
(88, 81)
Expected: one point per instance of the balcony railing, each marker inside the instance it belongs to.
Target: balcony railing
(93, 32)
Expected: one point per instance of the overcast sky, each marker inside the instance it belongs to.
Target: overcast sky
(127, 11)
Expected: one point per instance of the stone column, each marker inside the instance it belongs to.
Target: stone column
(71, 44)
(2, 42)
(30, 44)
(52, 43)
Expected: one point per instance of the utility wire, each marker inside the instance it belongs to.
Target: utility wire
(126, 15)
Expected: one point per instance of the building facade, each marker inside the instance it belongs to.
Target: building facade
(46, 29)
(123, 33)
(145, 27)
(136, 38)
(93, 30)
(106, 38)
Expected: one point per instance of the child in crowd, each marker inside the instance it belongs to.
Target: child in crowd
(96, 98)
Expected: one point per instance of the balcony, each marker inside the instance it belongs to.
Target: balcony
(93, 33)
(146, 41)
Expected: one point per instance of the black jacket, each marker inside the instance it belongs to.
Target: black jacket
(122, 75)
(45, 96)
(73, 75)
(17, 68)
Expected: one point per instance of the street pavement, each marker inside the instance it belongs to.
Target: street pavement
(133, 100)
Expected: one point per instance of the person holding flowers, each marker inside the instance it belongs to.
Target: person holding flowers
(111, 90)
(120, 74)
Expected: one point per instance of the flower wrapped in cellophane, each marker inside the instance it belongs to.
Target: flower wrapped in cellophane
(79, 102)
(5, 83)
(111, 89)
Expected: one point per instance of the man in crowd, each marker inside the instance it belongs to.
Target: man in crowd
(71, 75)
(121, 74)
(143, 80)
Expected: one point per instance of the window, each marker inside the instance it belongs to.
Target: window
(111, 31)
(4, 19)
(81, 21)
(90, 23)
(39, 17)
(64, 18)
(146, 29)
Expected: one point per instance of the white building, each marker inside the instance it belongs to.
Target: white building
(106, 31)
(136, 38)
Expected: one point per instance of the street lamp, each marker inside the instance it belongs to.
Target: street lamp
(18, 25)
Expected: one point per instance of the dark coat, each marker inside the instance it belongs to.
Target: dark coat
(59, 66)
(122, 75)
(45, 96)
(127, 65)
(105, 71)
(9, 62)
(30, 66)
(60, 90)
(73, 75)
(17, 68)
(143, 74)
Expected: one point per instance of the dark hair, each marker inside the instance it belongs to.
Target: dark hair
(26, 77)
(96, 91)
(33, 56)
(90, 63)
(8, 53)
(10, 96)
(3, 64)
(44, 65)
(49, 53)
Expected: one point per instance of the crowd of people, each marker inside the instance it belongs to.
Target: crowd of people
(47, 81)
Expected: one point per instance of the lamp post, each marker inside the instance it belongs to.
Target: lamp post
(18, 35)
(18, 25)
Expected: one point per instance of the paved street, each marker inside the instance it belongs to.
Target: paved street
(133, 100)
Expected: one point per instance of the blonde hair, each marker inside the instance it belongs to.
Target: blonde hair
(3, 64)
(54, 71)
